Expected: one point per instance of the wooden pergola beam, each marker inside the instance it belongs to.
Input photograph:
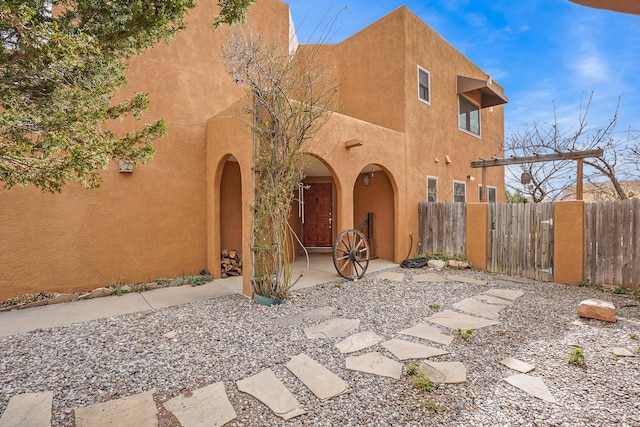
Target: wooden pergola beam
(571, 155)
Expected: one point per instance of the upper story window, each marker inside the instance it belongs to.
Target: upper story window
(468, 116)
(459, 191)
(424, 85)
(492, 193)
(432, 189)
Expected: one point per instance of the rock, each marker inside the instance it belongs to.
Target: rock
(126, 289)
(96, 293)
(63, 298)
(597, 309)
(151, 285)
(457, 264)
(178, 281)
(436, 263)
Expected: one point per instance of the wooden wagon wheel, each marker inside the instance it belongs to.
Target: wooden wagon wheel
(351, 254)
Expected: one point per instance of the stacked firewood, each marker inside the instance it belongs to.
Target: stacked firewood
(231, 262)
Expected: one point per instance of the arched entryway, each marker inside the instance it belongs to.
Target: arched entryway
(231, 214)
(313, 215)
(373, 210)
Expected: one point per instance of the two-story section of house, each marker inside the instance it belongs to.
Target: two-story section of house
(412, 113)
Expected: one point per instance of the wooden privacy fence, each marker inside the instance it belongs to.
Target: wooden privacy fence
(442, 228)
(612, 243)
(521, 240)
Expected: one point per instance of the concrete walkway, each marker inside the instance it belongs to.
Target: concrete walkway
(18, 321)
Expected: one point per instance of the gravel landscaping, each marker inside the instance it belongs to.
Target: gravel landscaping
(180, 349)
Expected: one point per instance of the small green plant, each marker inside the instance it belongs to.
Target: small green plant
(143, 287)
(418, 379)
(413, 369)
(435, 306)
(620, 290)
(636, 293)
(118, 291)
(616, 357)
(465, 335)
(423, 383)
(634, 337)
(339, 285)
(195, 280)
(433, 405)
(576, 357)
(583, 284)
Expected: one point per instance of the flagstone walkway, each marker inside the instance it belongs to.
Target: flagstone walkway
(210, 405)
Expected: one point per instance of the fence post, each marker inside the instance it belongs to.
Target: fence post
(568, 243)
(477, 234)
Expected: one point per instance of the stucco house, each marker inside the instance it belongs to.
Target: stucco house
(413, 112)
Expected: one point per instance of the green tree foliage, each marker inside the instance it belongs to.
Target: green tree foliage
(515, 197)
(58, 74)
(232, 11)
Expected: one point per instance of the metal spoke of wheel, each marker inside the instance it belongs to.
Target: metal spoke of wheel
(351, 254)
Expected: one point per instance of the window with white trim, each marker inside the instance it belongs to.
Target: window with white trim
(493, 191)
(424, 85)
(459, 191)
(468, 116)
(432, 189)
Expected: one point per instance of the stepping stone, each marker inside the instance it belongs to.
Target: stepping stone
(28, 409)
(516, 279)
(376, 364)
(444, 372)
(492, 300)
(208, 406)
(510, 294)
(429, 278)
(319, 313)
(517, 365)
(136, 410)
(428, 332)
(391, 276)
(533, 386)
(622, 352)
(170, 334)
(403, 350)
(294, 320)
(358, 341)
(321, 381)
(268, 389)
(334, 328)
(453, 320)
(466, 279)
(597, 309)
(474, 306)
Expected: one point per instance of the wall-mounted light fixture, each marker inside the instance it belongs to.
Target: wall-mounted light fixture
(125, 166)
(471, 177)
(366, 180)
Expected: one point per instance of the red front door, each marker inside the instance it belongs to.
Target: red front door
(317, 215)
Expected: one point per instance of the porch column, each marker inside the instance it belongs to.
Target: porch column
(477, 234)
(568, 242)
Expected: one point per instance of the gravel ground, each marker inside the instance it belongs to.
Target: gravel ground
(231, 338)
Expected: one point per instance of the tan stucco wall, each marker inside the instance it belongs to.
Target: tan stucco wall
(175, 215)
(477, 234)
(568, 242)
(149, 224)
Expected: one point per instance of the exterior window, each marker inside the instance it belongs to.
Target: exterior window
(492, 193)
(432, 189)
(424, 85)
(469, 116)
(459, 191)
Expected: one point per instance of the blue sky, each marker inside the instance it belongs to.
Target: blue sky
(540, 51)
